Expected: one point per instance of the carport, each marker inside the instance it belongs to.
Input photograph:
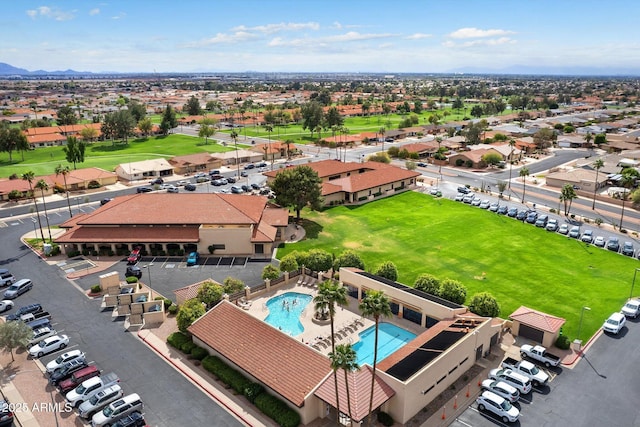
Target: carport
(536, 325)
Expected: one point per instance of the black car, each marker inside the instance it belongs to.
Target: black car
(463, 190)
(246, 188)
(255, 186)
(522, 215)
(190, 187)
(133, 271)
(261, 165)
(144, 190)
(6, 415)
(613, 244)
(231, 180)
(134, 419)
(157, 181)
(512, 212)
(66, 370)
(249, 166)
(31, 308)
(421, 164)
(105, 201)
(627, 249)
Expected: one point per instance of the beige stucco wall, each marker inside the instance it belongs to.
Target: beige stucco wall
(428, 308)
(236, 238)
(548, 339)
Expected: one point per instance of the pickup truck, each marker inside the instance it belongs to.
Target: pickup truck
(30, 317)
(90, 387)
(539, 353)
(527, 369)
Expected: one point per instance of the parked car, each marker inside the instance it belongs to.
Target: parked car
(476, 201)
(463, 190)
(6, 413)
(563, 229)
(552, 225)
(157, 181)
(116, 410)
(522, 215)
(144, 190)
(202, 178)
(99, 400)
(627, 249)
(133, 271)
(135, 419)
(599, 241)
(421, 164)
(172, 189)
(192, 259)
(459, 197)
(105, 201)
(541, 222)
(249, 166)
(31, 308)
(532, 217)
(574, 232)
(587, 236)
(614, 323)
(527, 369)
(6, 305)
(502, 210)
(255, 186)
(64, 358)
(215, 172)
(502, 389)
(236, 189)
(631, 308)
(485, 204)
(512, 212)
(468, 198)
(493, 207)
(231, 180)
(78, 378)
(491, 402)
(40, 334)
(66, 370)
(134, 256)
(190, 187)
(246, 188)
(48, 345)
(6, 278)
(261, 164)
(244, 174)
(18, 288)
(520, 382)
(90, 387)
(183, 182)
(216, 182)
(539, 354)
(613, 244)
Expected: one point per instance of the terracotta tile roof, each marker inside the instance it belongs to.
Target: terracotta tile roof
(364, 181)
(192, 159)
(50, 137)
(178, 234)
(284, 364)
(537, 319)
(421, 147)
(276, 217)
(327, 168)
(359, 392)
(329, 188)
(191, 291)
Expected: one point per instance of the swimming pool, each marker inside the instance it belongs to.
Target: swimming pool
(285, 310)
(390, 338)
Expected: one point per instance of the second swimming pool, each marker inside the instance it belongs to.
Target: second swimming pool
(390, 339)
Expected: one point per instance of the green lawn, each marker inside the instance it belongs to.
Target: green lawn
(518, 263)
(42, 161)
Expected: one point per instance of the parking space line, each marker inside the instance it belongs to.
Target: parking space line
(463, 423)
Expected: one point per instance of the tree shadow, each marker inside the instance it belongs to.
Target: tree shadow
(312, 228)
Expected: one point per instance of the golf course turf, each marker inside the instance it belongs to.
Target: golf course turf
(516, 262)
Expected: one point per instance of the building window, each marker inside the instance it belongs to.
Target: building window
(259, 248)
(219, 247)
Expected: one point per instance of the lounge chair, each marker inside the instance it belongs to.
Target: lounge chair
(300, 280)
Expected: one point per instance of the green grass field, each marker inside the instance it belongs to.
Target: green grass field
(42, 161)
(518, 263)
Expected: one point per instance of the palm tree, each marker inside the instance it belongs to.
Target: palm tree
(627, 180)
(512, 144)
(234, 136)
(597, 165)
(288, 143)
(29, 176)
(43, 186)
(567, 195)
(375, 304)
(269, 129)
(329, 294)
(381, 133)
(524, 173)
(345, 358)
(64, 171)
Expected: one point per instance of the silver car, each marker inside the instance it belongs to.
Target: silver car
(99, 400)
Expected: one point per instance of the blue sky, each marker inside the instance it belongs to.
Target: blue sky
(319, 36)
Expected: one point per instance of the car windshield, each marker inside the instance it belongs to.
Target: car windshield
(506, 405)
(612, 322)
(13, 287)
(107, 411)
(95, 398)
(59, 359)
(81, 389)
(535, 370)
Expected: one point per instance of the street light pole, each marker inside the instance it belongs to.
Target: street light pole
(581, 316)
(633, 283)
(149, 272)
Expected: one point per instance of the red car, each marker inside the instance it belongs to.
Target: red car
(134, 256)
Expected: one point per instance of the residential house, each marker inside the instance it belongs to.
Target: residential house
(145, 169)
(192, 163)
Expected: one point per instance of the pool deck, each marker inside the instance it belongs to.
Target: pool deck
(348, 322)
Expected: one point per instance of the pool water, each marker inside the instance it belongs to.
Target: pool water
(285, 310)
(390, 339)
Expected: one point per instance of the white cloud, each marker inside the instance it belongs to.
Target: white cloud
(469, 33)
(95, 11)
(223, 38)
(51, 13)
(481, 42)
(321, 42)
(283, 26)
(121, 15)
(418, 36)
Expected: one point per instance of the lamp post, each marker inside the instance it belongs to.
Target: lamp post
(633, 283)
(581, 316)
(149, 272)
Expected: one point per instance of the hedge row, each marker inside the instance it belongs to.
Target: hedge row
(271, 406)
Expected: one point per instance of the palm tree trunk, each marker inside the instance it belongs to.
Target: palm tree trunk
(595, 188)
(67, 193)
(35, 203)
(46, 216)
(335, 372)
(622, 214)
(346, 382)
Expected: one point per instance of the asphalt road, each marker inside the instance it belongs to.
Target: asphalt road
(170, 399)
(601, 390)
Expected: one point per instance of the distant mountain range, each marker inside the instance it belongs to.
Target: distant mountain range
(523, 70)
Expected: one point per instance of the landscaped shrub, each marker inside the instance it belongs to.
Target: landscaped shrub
(96, 289)
(225, 373)
(72, 254)
(166, 301)
(176, 339)
(385, 419)
(173, 309)
(199, 353)
(187, 347)
(252, 391)
(277, 410)
(132, 279)
(563, 342)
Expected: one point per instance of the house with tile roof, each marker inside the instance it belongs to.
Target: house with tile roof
(224, 224)
(536, 325)
(447, 342)
(192, 163)
(145, 169)
(352, 182)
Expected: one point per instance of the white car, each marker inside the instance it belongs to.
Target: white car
(183, 182)
(40, 334)
(599, 241)
(614, 323)
(99, 400)
(631, 308)
(5, 305)
(502, 389)
(64, 358)
(172, 189)
(485, 204)
(501, 407)
(116, 410)
(48, 345)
